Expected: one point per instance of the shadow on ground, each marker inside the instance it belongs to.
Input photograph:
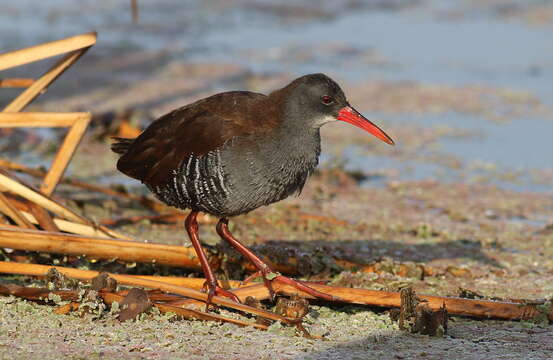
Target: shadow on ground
(315, 256)
(490, 339)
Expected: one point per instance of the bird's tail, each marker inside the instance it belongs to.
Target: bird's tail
(121, 145)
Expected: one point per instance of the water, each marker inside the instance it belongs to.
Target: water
(414, 44)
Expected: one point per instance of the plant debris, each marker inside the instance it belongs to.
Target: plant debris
(295, 307)
(135, 302)
(104, 282)
(416, 317)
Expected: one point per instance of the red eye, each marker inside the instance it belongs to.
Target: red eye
(327, 100)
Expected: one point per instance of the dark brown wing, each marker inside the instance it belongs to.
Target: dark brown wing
(194, 129)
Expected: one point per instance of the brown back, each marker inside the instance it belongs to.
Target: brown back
(196, 129)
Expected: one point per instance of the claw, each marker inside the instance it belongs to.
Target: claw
(216, 290)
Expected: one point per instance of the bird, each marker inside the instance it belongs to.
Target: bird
(233, 152)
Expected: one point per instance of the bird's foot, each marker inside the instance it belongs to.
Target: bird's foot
(269, 276)
(216, 290)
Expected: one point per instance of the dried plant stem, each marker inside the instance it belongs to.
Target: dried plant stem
(456, 306)
(16, 83)
(38, 198)
(104, 248)
(197, 295)
(32, 119)
(46, 50)
(68, 226)
(8, 209)
(150, 203)
(83, 185)
(7, 267)
(64, 154)
(190, 314)
(16, 268)
(36, 214)
(41, 294)
(10, 165)
(42, 217)
(100, 248)
(36, 294)
(67, 308)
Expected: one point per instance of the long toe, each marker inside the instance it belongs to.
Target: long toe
(304, 288)
(216, 290)
(219, 291)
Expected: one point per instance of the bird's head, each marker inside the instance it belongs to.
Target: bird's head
(317, 99)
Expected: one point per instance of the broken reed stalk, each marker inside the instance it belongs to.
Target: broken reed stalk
(99, 248)
(16, 82)
(197, 295)
(36, 214)
(170, 218)
(189, 314)
(40, 199)
(455, 306)
(41, 119)
(10, 165)
(41, 294)
(416, 317)
(77, 124)
(38, 52)
(67, 226)
(67, 308)
(80, 184)
(7, 267)
(7, 208)
(42, 217)
(38, 203)
(37, 294)
(104, 248)
(129, 280)
(65, 153)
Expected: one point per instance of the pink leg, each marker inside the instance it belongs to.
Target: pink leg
(264, 270)
(191, 225)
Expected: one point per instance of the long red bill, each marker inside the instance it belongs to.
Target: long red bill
(352, 116)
